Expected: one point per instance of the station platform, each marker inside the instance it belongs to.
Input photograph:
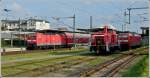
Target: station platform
(13, 49)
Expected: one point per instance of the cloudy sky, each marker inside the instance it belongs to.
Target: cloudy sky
(103, 11)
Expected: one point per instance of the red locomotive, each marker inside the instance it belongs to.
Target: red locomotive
(104, 40)
(107, 39)
(129, 40)
(53, 39)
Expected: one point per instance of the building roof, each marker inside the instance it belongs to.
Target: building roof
(10, 21)
(145, 28)
(56, 31)
(39, 20)
(14, 21)
(110, 27)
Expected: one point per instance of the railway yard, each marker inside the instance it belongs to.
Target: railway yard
(74, 38)
(74, 63)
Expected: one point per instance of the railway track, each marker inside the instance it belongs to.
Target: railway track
(32, 62)
(36, 51)
(138, 51)
(111, 67)
(52, 67)
(31, 51)
(106, 69)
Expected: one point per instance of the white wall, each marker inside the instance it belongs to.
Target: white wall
(42, 25)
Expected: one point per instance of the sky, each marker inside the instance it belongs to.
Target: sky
(103, 12)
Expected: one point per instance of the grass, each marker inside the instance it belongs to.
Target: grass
(140, 69)
(68, 51)
(13, 70)
(140, 50)
(146, 67)
(40, 54)
(101, 59)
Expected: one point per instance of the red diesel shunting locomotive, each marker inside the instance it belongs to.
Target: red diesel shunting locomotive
(104, 40)
(107, 39)
(53, 38)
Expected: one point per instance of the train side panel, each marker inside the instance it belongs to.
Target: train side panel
(129, 40)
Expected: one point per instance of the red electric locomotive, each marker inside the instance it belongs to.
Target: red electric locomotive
(104, 40)
(54, 39)
(128, 40)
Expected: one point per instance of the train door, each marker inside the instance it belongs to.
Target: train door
(100, 45)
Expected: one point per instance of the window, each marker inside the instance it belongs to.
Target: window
(122, 36)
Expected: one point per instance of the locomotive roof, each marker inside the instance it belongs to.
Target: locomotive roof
(126, 32)
(48, 30)
(93, 29)
(110, 27)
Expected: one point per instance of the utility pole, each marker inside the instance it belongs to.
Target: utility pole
(0, 32)
(0, 36)
(20, 34)
(11, 33)
(91, 23)
(129, 13)
(149, 24)
(129, 10)
(149, 15)
(74, 28)
(124, 28)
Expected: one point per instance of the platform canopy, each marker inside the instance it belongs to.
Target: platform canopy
(110, 27)
(56, 31)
